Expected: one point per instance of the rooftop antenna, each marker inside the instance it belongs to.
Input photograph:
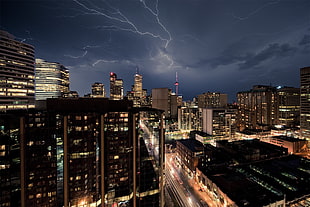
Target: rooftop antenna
(176, 84)
(137, 70)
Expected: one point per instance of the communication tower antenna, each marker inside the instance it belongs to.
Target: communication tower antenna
(176, 84)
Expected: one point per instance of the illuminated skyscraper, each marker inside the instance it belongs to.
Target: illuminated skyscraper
(137, 90)
(116, 87)
(16, 73)
(305, 103)
(77, 152)
(212, 100)
(97, 90)
(258, 108)
(51, 80)
(289, 106)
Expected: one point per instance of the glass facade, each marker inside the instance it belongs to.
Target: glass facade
(51, 80)
(16, 73)
(305, 103)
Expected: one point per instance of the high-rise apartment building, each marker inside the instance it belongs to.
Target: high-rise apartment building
(16, 73)
(83, 152)
(257, 108)
(220, 123)
(289, 106)
(116, 87)
(212, 100)
(97, 90)
(188, 117)
(51, 80)
(305, 103)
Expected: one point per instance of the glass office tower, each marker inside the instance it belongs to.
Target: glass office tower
(51, 80)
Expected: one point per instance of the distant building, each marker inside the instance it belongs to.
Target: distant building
(212, 100)
(97, 90)
(220, 123)
(289, 106)
(71, 94)
(137, 94)
(138, 90)
(188, 117)
(294, 145)
(116, 87)
(51, 80)
(257, 108)
(16, 74)
(162, 98)
(305, 103)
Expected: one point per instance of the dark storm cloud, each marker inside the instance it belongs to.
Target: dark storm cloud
(209, 43)
(274, 50)
(305, 40)
(249, 60)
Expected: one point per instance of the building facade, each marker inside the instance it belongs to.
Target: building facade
(257, 108)
(289, 106)
(138, 90)
(116, 87)
(305, 103)
(220, 123)
(86, 152)
(212, 100)
(16, 73)
(163, 99)
(51, 80)
(97, 90)
(188, 117)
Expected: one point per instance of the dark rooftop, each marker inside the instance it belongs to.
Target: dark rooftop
(263, 182)
(192, 144)
(290, 139)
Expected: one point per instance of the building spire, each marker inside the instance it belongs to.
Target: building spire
(176, 83)
(137, 70)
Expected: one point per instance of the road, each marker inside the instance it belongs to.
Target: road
(177, 181)
(179, 187)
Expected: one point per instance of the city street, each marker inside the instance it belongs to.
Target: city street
(183, 188)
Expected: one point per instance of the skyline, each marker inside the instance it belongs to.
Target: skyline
(213, 45)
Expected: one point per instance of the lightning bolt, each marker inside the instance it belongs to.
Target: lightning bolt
(27, 38)
(85, 52)
(255, 11)
(112, 61)
(118, 16)
(156, 14)
(104, 61)
(121, 22)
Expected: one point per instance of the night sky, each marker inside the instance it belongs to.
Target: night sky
(213, 45)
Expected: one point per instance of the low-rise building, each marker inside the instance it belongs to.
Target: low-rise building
(189, 151)
(293, 145)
